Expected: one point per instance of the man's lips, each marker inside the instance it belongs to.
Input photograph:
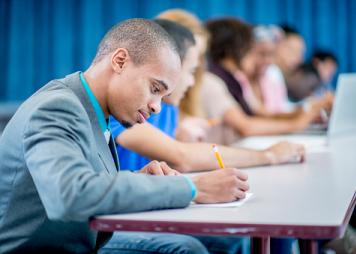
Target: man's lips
(143, 116)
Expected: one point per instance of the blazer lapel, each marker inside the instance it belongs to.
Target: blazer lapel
(112, 147)
(104, 151)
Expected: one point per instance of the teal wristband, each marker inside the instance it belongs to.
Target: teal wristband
(192, 186)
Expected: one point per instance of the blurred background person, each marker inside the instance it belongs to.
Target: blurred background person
(264, 93)
(232, 41)
(290, 50)
(326, 64)
(313, 77)
(158, 134)
(303, 82)
(193, 125)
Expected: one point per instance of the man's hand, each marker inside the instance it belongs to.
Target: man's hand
(159, 169)
(285, 152)
(222, 185)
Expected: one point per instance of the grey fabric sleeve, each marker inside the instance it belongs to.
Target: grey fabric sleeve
(55, 143)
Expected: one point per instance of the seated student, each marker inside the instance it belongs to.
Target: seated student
(200, 155)
(264, 95)
(186, 157)
(313, 77)
(58, 161)
(302, 82)
(326, 64)
(232, 41)
(290, 50)
(185, 42)
(193, 125)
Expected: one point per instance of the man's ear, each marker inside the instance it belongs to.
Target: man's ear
(119, 59)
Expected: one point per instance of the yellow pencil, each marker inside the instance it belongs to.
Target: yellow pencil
(218, 156)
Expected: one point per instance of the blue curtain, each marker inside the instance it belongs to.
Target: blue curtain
(45, 39)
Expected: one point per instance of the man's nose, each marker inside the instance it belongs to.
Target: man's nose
(155, 107)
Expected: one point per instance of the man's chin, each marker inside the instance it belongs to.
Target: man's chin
(126, 124)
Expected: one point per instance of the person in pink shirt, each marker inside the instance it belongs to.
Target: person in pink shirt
(262, 82)
(263, 89)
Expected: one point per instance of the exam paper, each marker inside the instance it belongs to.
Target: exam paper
(237, 203)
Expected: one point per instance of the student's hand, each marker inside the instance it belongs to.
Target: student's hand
(222, 185)
(285, 152)
(159, 169)
(327, 100)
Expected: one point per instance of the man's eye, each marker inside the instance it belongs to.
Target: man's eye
(155, 89)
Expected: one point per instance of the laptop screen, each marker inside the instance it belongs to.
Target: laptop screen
(343, 115)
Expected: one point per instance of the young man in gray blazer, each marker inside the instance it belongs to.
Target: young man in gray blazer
(58, 160)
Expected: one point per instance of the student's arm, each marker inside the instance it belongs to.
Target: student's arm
(187, 157)
(314, 103)
(247, 125)
(281, 115)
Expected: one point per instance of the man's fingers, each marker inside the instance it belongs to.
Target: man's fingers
(243, 185)
(168, 170)
(234, 172)
(239, 194)
(241, 175)
(154, 168)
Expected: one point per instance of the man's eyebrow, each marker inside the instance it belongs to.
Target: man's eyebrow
(162, 83)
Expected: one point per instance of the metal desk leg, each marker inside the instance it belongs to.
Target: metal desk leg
(308, 246)
(260, 245)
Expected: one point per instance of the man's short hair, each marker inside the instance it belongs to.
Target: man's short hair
(323, 55)
(183, 37)
(289, 30)
(141, 37)
(230, 37)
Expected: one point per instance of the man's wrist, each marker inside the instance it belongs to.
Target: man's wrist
(271, 157)
(192, 186)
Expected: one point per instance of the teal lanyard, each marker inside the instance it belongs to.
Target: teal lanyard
(98, 111)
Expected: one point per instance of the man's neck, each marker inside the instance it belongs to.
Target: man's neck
(281, 65)
(97, 80)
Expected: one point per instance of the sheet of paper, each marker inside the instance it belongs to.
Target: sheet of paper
(237, 203)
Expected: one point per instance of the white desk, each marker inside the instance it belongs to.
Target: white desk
(313, 200)
(311, 142)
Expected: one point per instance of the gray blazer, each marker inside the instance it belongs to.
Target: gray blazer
(56, 171)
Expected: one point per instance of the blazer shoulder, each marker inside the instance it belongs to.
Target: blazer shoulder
(57, 96)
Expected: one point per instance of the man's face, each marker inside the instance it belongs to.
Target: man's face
(291, 51)
(137, 91)
(187, 79)
(326, 70)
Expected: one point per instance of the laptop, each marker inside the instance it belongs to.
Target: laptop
(342, 121)
(343, 116)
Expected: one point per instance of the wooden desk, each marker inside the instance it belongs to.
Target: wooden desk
(313, 200)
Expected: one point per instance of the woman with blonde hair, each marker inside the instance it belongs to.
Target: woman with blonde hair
(192, 123)
(190, 105)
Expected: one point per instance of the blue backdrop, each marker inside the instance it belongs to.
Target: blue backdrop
(45, 39)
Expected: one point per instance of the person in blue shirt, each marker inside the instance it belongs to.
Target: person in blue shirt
(167, 124)
(155, 139)
(152, 241)
(58, 159)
